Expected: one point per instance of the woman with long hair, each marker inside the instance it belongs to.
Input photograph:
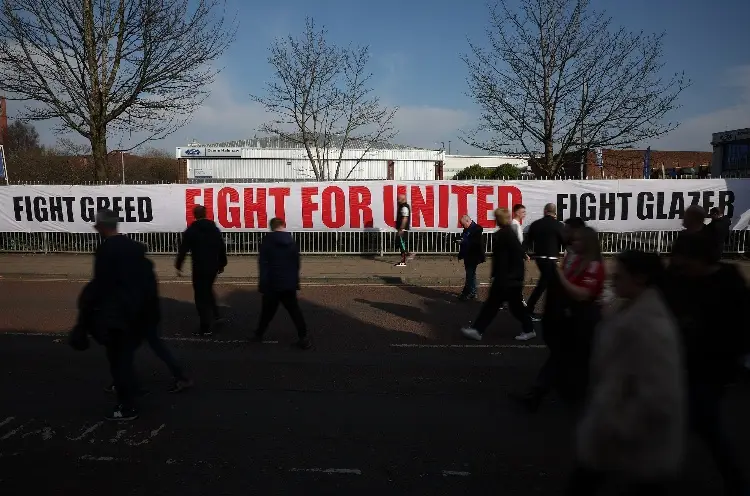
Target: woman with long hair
(633, 427)
(508, 266)
(571, 312)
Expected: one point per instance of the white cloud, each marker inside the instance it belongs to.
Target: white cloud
(695, 132)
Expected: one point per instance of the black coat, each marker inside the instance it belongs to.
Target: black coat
(473, 251)
(206, 246)
(718, 230)
(545, 237)
(278, 263)
(123, 294)
(508, 258)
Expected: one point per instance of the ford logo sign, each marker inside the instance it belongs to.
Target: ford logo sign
(192, 152)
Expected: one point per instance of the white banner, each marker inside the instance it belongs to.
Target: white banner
(615, 206)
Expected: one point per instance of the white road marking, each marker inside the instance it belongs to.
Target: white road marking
(347, 471)
(410, 345)
(7, 420)
(12, 433)
(87, 431)
(100, 458)
(449, 473)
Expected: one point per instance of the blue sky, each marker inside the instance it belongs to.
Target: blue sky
(416, 48)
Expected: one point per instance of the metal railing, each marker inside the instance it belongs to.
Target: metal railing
(334, 243)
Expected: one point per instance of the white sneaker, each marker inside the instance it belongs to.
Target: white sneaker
(470, 333)
(400, 264)
(525, 336)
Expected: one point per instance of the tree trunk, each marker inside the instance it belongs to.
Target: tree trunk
(99, 153)
(549, 157)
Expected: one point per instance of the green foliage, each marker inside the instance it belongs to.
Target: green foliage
(504, 171)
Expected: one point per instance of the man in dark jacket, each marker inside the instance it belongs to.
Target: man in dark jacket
(209, 257)
(278, 267)
(471, 251)
(718, 229)
(704, 296)
(115, 306)
(508, 266)
(546, 239)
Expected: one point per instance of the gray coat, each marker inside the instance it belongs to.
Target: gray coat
(634, 423)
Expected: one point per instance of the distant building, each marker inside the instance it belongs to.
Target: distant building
(628, 164)
(731, 153)
(270, 159)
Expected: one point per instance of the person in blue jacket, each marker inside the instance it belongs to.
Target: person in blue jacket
(278, 268)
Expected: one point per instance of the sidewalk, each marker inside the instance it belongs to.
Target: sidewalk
(316, 269)
(424, 271)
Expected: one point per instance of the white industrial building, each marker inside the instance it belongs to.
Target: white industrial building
(269, 159)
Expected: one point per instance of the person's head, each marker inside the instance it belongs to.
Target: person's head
(571, 225)
(106, 222)
(694, 254)
(519, 212)
(465, 221)
(551, 210)
(502, 217)
(277, 224)
(585, 242)
(635, 272)
(199, 212)
(715, 213)
(401, 199)
(694, 219)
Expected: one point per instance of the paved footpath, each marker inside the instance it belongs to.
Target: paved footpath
(424, 271)
(389, 401)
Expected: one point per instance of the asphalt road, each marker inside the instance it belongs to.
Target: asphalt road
(390, 401)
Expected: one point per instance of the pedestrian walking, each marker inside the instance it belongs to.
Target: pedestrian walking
(114, 308)
(471, 251)
(403, 224)
(571, 313)
(633, 427)
(519, 214)
(545, 238)
(208, 255)
(718, 229)
(507, 280)
(151, 323)
(705, 295)
(278, 268)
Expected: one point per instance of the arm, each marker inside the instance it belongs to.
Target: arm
(222, 250)
(528, 242)
(184, 248)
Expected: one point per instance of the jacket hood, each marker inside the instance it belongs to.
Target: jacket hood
(281, 238)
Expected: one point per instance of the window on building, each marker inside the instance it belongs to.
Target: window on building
(736, 157)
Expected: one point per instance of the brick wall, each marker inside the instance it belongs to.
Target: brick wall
(626, 164)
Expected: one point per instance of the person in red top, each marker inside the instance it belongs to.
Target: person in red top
(571, 312)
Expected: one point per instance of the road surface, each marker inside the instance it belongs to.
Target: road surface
(390, 401)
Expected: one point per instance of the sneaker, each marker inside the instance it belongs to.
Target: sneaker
(472, 296)
(122, 414)
(525, 336)
(400, 264)
(535, 318)
(201, 334)
(470, 333)
(303, 344)
(180, 385)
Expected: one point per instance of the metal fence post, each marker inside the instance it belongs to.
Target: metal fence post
(45, 243)
(381, 237)
(659, 236)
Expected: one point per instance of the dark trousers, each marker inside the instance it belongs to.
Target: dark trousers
(705, 400)
(585, 482)
(120, 349)
(500, 294)
(470, 284)
(205, 300)
(546, 274)
(160, 349)
(271, 301)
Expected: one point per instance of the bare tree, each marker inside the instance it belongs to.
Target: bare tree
(22, 138)
(556, 75)
(111, 67)
(322, 101)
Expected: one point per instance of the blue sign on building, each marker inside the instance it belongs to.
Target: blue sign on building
(2, 163)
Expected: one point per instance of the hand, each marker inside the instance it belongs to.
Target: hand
(400, 232)
(528, 258)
